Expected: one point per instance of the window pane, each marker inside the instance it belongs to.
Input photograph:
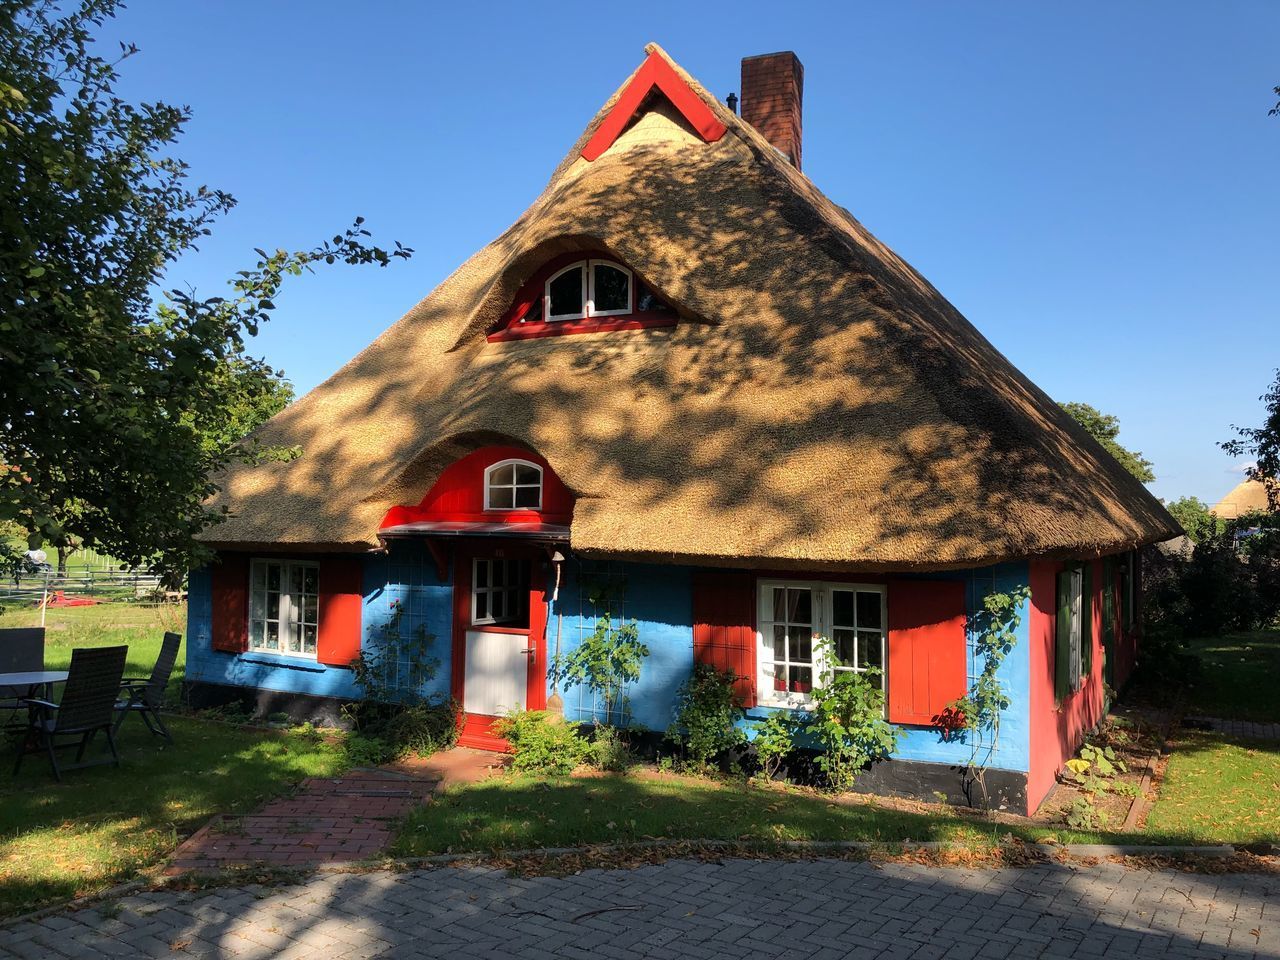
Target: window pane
(566, 294)
(842, 608)
(612, 290)
(527, 475)
(309, 580)
(309, 640)
(482, 606)
(870, 648)
(779, 603)
(310, 609)
(801, 645)
(258, 605)
(295, 579)
(845, 647)
(499, 572)
(869, 611)
(503, 476)
(272, 641)
(501, 498)
(779, 642)
(498, 598)
(799, 606)
(256, 629)
(273, 576)
(801, 679)
(293, 638)
(482, 573)
(528, 497)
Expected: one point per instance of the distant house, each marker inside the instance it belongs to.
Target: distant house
(1248, 496)
(687, 389)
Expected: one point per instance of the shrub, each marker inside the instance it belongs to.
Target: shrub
(365, 751)
(707, 712)
(608, 750)
(542, 742)
(773, 738)
(847, 722)
(421, 729)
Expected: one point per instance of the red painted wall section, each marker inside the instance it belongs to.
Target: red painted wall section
(927, 648)
(654, 72)
(1058, 729)
(458, 495)
(230, 623)
(724, 633)
(338, 635)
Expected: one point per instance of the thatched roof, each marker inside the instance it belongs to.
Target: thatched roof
(820, 404)
(1248, 496)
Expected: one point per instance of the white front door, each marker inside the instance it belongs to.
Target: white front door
(497, 672)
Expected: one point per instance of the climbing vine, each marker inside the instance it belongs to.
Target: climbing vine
(995, 633)
(604, 662)
(398, 662)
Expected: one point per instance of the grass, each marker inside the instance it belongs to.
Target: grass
(105, 824)
(1238, 676)
(526, 811)
(1217, 790)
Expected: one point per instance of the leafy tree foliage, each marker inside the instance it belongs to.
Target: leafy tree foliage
(1263, 444)
(1275, 111)
(1194, 517)
(1105, 428)
(116, 409)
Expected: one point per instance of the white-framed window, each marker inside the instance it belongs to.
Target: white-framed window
(500, 591)
(513, 485)
(792, 612)
(588, 288)
(284, 607)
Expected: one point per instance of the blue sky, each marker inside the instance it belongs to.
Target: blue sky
(1093, 184)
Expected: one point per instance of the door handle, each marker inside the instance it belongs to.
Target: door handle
(529, 650)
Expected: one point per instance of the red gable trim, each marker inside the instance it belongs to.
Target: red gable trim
(654, 72)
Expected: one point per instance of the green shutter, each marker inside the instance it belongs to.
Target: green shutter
(1086, 620)
(1062, 639)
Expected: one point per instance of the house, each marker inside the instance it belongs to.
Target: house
(1248, 496)
(687, 389)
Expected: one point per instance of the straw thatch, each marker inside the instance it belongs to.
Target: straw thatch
(1248, 496)
(820, 405)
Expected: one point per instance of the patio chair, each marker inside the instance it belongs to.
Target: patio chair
(21, 651)
(86, 707)
(145, 695)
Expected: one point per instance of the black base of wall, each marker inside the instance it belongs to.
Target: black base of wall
(301, 707)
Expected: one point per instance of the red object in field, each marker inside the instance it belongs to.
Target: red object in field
(60, 599)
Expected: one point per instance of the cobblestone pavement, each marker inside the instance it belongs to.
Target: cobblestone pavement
(807, 910)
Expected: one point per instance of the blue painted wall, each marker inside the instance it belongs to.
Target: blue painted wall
(659, 598)
(405, 574)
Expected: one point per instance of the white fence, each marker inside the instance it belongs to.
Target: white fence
(36, 588)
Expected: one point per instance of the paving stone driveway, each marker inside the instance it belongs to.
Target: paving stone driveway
(815, 910)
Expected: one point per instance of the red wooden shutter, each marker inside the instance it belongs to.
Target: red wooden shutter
(724, 632)
(927, 649)
(341, 598)
(230, 627)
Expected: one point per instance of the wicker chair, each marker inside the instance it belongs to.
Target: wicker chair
(21, 651)
(86, 707)
(145, 695)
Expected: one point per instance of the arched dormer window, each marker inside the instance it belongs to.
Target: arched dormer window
(513, 485)
(578, 293)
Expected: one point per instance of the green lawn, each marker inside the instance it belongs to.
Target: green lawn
(104, 825)
(1239, 676)
(1217, 790)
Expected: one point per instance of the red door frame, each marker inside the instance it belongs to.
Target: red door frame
(476, 728)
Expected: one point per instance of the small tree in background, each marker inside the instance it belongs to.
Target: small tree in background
(1263, 444)
(1105, 428)
(1193, 516)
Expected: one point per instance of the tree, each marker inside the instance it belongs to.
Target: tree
(116, 409)
(1275, 111)
(1263, 444)
(1104, 428)
(1194, 517)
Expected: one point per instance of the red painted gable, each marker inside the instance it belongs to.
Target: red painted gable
(654, 72)
(458, 495)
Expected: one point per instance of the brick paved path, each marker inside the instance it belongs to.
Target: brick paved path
(1236, 728)
(811, 910)
(328, 818)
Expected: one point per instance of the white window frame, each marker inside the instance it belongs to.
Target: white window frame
(591, 289)
(822, 594)
(489, 590)
(588, 275)
(513, 486)
(584, 274)
(287, 613)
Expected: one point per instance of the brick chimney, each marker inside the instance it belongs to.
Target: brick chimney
(772, 93)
